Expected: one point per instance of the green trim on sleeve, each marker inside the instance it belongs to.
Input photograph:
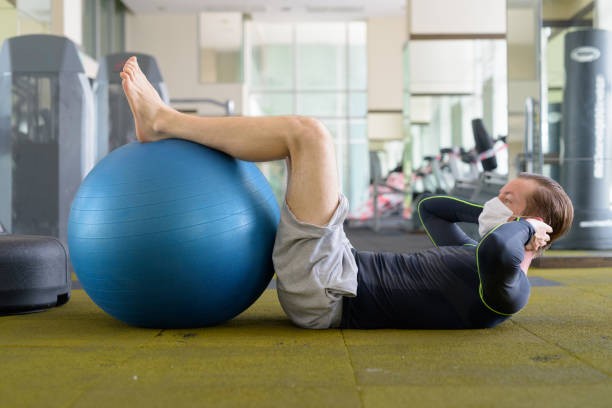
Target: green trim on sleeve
(440, 196)
(480, 290)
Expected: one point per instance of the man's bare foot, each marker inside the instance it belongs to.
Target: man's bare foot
(147, 107)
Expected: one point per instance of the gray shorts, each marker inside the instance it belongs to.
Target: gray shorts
(315, 268)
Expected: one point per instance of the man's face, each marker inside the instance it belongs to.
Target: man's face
(515, 193)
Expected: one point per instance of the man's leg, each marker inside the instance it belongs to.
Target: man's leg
(312, 190)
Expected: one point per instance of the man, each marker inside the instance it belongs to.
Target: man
(322, 280)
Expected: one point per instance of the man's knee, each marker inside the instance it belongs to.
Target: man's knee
(310, 135)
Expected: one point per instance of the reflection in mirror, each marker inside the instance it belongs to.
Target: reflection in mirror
(558, 19)
(445, 98)
(523, 33)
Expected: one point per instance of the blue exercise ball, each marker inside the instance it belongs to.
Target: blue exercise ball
(172, 234)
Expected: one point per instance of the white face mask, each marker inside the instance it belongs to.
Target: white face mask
(494, 213)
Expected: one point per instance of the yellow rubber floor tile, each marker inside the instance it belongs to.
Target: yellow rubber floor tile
(576, 321)
(498, 335)
(465, 364)
(72, 333)
(556, 352)
(228, 376)
(239, 367)
(51, 377)
(557, 396)
(78, 323)
(127, 392)
(264, 324)
(596, 280)
(260, 334)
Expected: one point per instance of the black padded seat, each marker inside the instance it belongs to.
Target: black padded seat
(34, 274)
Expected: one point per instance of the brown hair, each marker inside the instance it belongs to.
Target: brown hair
(551, 203)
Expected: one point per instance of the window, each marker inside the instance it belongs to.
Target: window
(103, 27)
(319, 70)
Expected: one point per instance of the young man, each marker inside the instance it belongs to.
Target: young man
(322, 280)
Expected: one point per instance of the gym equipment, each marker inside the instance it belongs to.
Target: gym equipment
(386, 197)
(488, 183)
(34, 274)
(434, 176)
(442, 174)
(474, 186)
(46, 133)
(586, 164)
(427, 178)
(228, 105)
(115, 122)
(172, 234)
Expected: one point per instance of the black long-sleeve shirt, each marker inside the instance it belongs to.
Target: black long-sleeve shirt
(459, 284)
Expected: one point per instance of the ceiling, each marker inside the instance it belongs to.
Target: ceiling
(319, 9)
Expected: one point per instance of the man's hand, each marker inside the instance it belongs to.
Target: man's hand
(540, 238)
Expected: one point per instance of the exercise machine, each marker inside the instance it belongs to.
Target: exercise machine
(46, 133)
(478, 186)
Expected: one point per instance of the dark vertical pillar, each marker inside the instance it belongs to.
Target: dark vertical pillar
(586, 167)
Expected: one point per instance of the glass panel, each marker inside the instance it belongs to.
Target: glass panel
(358, 66)
(358, 166)
(104, 20)
(358, 104)
(266, 104)
(321, 56)
(89, 27)
(270, 56)
(308, 69)
(321, 104)
(338, 130)
(406, 105)
(119, 27)
(276, 173)
(220, 47)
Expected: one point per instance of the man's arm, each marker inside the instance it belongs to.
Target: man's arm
(438, 214)
(504, 287)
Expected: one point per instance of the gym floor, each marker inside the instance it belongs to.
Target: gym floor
(557, 352)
